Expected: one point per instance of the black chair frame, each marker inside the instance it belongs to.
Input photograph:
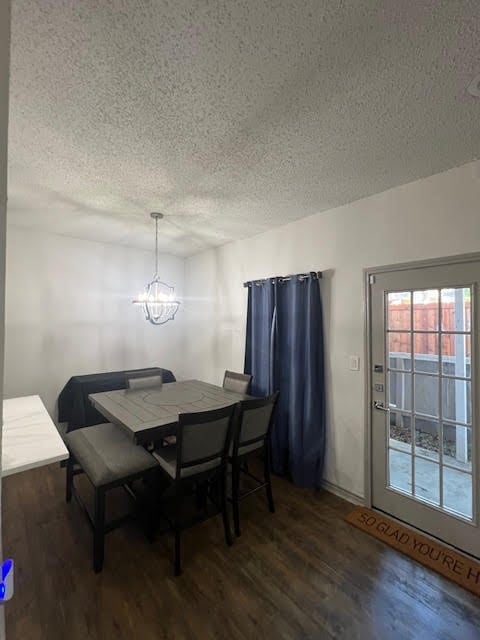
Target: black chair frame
(97, 522)
(238, 461)
(202, 479)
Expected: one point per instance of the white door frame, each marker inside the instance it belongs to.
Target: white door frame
(368, 274)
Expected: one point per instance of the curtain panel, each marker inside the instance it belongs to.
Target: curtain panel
(285, 353)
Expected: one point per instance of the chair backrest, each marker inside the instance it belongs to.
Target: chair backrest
(238, 382)
(203, 440)
(255, 420)
(143, 380)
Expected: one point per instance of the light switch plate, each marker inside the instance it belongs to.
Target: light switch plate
(354, 363)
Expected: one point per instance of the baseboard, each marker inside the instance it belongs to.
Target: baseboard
(343, 493)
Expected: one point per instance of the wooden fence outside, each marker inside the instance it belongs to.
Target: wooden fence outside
(425, 318)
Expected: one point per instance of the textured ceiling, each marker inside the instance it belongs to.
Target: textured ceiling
(230, 116)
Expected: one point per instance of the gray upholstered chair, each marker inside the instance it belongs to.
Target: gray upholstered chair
(238, 382)
(252, 432)
(143, 380)
(203, 442)
(109, 459)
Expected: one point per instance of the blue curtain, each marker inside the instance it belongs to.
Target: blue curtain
(284, 352)
(258, 352)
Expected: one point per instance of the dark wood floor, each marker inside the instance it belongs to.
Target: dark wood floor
(301, 573)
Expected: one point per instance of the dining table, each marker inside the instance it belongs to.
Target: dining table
(151, 414)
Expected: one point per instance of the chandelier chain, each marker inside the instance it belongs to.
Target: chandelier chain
(156, 247)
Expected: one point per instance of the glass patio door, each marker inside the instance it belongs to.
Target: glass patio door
(424, 346)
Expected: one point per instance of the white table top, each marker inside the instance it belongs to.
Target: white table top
(30, 438)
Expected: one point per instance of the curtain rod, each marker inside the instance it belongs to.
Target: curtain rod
(300, 276)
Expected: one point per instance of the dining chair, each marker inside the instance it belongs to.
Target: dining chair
(143, 380)
(200, 456)
(252, 430)
(109, 459)
(238, 382)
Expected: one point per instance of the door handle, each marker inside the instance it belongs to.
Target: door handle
(380, 406)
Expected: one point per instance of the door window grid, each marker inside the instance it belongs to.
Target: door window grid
(405, 447)
(414, 451)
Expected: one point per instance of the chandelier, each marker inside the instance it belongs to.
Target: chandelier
(158, 300)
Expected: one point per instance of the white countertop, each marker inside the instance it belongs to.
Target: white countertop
(30, 438)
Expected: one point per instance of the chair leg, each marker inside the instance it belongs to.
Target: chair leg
(69, 479)
(235, 495)
(177, 566)
(99, 530)
(226, 520)
(201, 491)
(268, 480)
(149, 508)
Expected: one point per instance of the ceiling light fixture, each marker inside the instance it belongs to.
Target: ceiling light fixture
(158, 300)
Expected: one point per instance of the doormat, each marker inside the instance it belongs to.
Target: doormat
(455, 566)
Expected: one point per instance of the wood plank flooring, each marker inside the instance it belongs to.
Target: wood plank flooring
(302, 573)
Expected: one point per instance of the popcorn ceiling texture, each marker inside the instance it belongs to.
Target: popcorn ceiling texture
(231, 116)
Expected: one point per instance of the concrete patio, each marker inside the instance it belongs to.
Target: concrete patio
(457, 485)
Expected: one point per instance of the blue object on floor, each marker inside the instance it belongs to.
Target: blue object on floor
(6, 585)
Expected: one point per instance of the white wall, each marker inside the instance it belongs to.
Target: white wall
(69, 311)
(434, 217)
